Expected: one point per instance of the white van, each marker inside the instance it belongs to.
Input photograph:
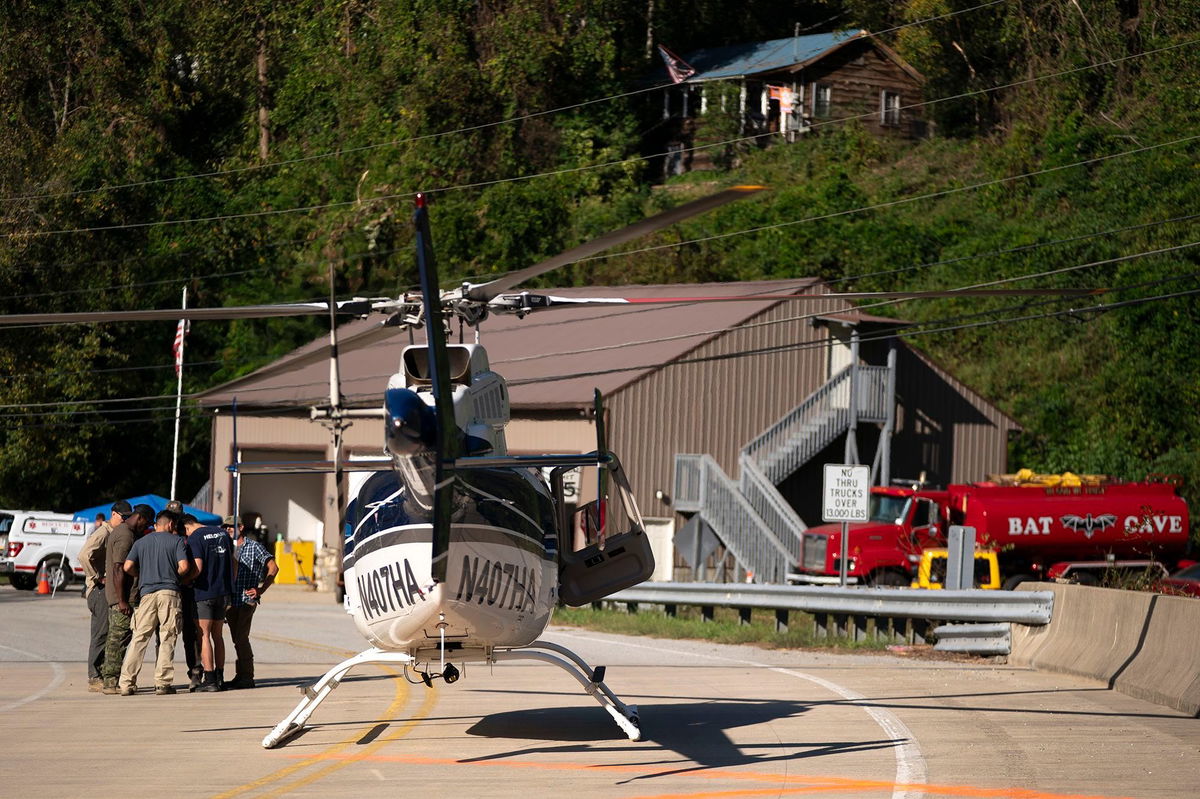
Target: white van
(37, 537)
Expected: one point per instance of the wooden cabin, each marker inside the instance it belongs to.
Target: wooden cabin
(785, 88)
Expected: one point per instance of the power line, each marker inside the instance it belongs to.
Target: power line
(870, 306)
(894, 203)
(340, 153)
(553, 173)
(1020, 278)
(898, 332)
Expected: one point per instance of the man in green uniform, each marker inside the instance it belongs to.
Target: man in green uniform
(121, 590)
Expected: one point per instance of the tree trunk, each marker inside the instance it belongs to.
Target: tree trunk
(264, 113)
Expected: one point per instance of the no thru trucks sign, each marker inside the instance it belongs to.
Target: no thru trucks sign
(847, 493)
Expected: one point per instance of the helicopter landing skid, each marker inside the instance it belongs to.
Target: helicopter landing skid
(315, 694)
(591, 680)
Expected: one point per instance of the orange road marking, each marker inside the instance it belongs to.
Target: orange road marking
(780, 783)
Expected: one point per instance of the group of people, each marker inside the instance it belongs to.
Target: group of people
(164, 573)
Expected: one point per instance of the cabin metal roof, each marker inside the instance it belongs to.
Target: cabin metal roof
(740, 60)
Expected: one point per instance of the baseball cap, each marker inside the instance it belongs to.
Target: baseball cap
(122, 508)
(145, 511)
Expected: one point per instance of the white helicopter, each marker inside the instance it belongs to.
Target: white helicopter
(456, 552)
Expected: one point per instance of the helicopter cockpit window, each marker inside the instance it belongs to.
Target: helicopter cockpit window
(416, 365)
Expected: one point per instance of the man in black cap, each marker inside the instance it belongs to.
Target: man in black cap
(121, 589)
(213, 554)
(91, 558)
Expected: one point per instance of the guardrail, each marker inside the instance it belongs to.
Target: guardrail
(895, 613)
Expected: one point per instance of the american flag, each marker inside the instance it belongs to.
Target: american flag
(678, 69)
(181, 331)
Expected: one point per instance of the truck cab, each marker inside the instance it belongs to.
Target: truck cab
(904, 520)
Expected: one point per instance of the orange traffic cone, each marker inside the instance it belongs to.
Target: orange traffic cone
(43, 586)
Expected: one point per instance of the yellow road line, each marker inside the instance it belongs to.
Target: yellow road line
(365, 754)
(397, 704)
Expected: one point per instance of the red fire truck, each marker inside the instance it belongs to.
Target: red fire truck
(1039, 526)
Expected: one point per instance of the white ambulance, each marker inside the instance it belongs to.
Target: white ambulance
(31, 539)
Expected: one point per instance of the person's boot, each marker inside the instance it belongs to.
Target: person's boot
(110, 687)
(209, 683)
(195, 675)
(95, 684)
(220, 679)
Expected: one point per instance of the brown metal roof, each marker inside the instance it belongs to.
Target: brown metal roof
(543, 356)
(855, 317)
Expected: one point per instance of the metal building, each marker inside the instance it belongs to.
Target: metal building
(681, 381)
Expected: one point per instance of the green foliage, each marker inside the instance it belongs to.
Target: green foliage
(724, 628)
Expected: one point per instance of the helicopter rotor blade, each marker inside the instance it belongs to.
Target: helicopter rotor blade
(438, 360)
(486, 291)
(356, 307)
(525, 302)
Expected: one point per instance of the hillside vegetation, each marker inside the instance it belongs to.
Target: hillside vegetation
(239, 149)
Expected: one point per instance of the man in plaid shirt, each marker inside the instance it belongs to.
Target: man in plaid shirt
(253, 572)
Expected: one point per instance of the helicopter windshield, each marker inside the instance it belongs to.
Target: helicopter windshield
(888, 509)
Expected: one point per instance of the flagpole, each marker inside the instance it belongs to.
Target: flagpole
(178, 395)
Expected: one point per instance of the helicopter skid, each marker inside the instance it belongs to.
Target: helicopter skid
(590, 679)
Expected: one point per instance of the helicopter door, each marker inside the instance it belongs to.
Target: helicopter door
(606, 563)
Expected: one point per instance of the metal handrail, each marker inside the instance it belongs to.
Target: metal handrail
(772, 508)
(745, 535)
(975, 605)
(817, 420)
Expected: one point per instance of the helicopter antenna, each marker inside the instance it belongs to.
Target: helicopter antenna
(447, 430)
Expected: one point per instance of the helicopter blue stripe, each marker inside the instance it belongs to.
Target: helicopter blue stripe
(467, 534)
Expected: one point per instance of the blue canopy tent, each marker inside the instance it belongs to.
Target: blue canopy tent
(153, 500)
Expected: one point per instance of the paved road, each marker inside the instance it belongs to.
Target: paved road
(719, 721)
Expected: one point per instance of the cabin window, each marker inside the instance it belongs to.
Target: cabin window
(889, 108)
(822, 100)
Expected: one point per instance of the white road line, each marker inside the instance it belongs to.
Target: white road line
(55, 681)
(910, 763)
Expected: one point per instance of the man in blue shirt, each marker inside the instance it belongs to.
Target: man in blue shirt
(160, 561)
(254, 572)
(213, 555)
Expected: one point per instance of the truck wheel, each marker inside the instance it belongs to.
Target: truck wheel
(58, 573)
(21, 582)
(1012, 582)
(887, 577)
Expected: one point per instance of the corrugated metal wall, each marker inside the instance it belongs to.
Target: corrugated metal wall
(716, 406)
(943, 426)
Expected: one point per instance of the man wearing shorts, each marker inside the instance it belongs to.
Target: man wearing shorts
(212, 550)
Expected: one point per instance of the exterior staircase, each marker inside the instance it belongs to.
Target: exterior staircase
(754, 522)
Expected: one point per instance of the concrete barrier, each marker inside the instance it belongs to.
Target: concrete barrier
(1145, 645)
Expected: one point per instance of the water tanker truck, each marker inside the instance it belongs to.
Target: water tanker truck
(1039, 526)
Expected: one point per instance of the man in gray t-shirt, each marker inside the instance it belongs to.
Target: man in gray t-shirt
(162, 563)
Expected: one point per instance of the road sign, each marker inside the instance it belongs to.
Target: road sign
(847, 493)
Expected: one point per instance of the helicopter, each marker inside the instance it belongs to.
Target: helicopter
(457, 552)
